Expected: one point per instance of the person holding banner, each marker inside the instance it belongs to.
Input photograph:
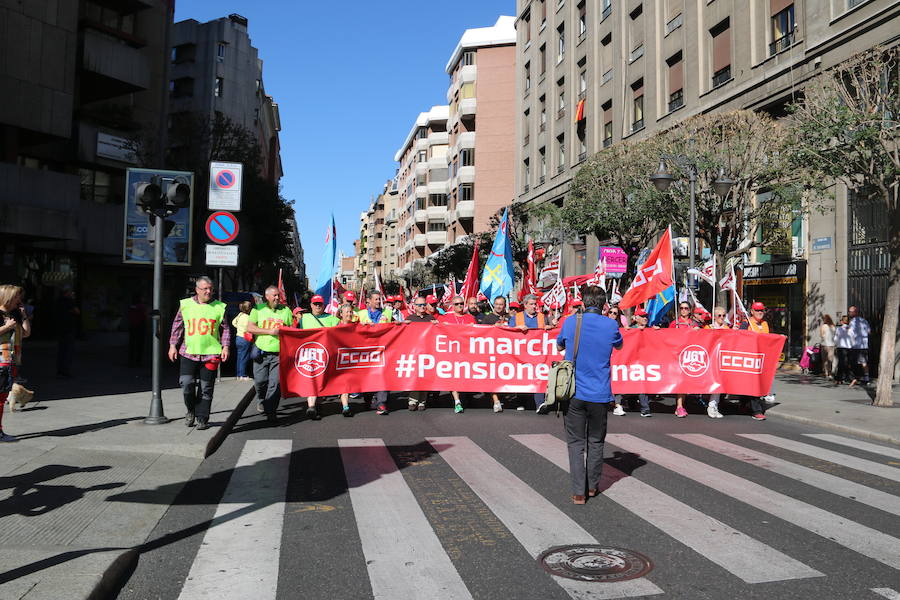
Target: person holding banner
(718, 322)
(683, 320)
(346, 316)
(316, 319)
(420, 315)
(266, 319)
(585, 419)
(399, 314)
(370, 315)
(641, 318)
(758, 324)
(458, 316)
(531, 318)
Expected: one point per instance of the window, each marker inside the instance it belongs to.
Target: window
(607, 124)
(542, 155)
(582, 21)
(582, 84)
(637, 12)
(543, 56)
(527, 76)
(467, 90)
(561, 98)
(606, 9)
(606, 58)
(220, 51)
(561, 43)
(437, 226)
(674, 23)
(526, 127)
(676, 81)
(526, 22)
(526, 173)
(422, 133)
(582, 144)
(543, 103)
(782, 25)
(467, 157)
(543, 11)
(560, 153)
(721, 51)
(466, 192)
(422, 156)
(468, 57)
(636, 53)
(95, 186)
(637, 105)
(220, 87)
(437, 200)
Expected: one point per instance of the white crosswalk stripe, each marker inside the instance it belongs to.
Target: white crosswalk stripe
(745, 557)
(510, 498)
(859, 445)
(239, 556)
(404, 557)
(887, 593)
(860, 464)
(824, 481)
(865, 540)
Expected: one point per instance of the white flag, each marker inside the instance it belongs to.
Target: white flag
(551, 269)
(599, 278)
(729, 281)
(707, 272)
(556, 294)
(615, 296)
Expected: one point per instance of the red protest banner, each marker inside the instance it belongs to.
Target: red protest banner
(421, 356)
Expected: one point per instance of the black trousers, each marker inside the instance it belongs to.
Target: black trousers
(585, 434)
(197, 402)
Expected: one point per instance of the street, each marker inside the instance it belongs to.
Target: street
(439, 505)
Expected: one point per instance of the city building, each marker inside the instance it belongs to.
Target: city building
(80, 81)
(640, 67)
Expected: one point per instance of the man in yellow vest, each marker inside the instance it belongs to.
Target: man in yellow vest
(316, 318)
(265, 321)
(373, 313)
(205, 339)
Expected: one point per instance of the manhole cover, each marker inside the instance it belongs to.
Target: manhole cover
(591, 562)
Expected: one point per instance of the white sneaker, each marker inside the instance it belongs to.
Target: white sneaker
(718, 414)
(520, 408)
(769, 398)
(619, 411)
(711, 411)
(498, 407)
(5, 437)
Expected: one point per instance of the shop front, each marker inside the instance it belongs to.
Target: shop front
(780, 286)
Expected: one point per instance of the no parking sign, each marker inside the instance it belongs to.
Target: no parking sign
(225, 186)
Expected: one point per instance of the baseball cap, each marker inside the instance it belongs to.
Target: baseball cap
(577, 303)
(349, 296)
(431, 299)
(699, 311)
(757, 306)
(554, 305)
(317, 299)
(515, 305)
(640, 312)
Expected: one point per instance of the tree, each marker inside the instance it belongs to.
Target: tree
(846, 129)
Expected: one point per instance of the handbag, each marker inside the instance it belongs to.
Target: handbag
(561, 379)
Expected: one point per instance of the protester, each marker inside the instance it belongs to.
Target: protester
(399, 314)
(473, 309)
(826, 332)
(15, 326)
(204, 340)
(614, 313)
(499, 318)
(373, 313)
(420, 315)
(758, 324)
(843, 345)
(530, 318)
(718, 322)
(137, 330)
(266, 319)
(640, 319)
(514, 307)
(458, 316)
(242, 343)
(683, 320)
(433, 308)
(68, 322)
(347, 316)
(585, 419)
(859, 352)
(316, 319)
(349, 299)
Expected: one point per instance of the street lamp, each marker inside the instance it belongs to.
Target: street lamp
(663, 179)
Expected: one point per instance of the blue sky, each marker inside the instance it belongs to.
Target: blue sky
(349, 78)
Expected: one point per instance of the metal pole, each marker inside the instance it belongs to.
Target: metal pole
(157, 416)
(222, 299)
(690, 278)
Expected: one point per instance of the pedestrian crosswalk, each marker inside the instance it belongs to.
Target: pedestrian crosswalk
(406, 557)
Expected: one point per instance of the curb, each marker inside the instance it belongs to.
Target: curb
(878, 437)
(115, 576)
(216, 440)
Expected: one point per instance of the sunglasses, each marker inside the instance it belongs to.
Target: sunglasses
(614, 312)
(720, 316)
(685, 307)
(458, 303)
(419, 305)
(318, 304)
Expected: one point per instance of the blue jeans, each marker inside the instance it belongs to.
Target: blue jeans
(243, 355)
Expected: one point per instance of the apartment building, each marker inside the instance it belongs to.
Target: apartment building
(596, 73)
(80, 81)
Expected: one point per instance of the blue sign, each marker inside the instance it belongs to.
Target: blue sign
(822, 243)
(222, 227)
(177, 246)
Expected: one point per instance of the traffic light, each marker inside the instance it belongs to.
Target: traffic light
(150, 198)
(147, 195)
(178, 196)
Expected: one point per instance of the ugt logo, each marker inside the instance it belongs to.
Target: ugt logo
(694, 361)
(311, 359)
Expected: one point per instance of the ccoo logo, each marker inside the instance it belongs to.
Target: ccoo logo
(311, 359)
(694, 361)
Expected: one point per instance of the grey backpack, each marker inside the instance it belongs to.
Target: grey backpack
(561, 379)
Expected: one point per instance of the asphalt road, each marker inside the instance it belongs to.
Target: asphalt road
(465, 517)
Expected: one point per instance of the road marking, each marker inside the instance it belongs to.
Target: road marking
(887, 593)
(531, 518)
(829, 483)
(845, 441)
(865, 540)
(404, 557)
(860, 464)
(750, 560)
(240, 553)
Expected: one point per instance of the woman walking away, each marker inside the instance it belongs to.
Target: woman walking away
(243, 344)
(826, 331)
(14, 327)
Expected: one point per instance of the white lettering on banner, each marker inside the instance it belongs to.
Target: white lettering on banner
(360, 357)
(426, 364)
(741, 362)
(503, 345)
(636, 373)
(444, 344)
(311, 359)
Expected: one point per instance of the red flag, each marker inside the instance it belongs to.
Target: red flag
(579, 111)
(470, 285)
(361, 301)
(529, 284)
(282, 295)
(653, 276)
(449, 291)
(337, 294)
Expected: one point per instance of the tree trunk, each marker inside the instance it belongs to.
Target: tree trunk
(889, 326)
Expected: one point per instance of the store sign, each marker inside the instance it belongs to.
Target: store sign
(116, 148)
(795, 270)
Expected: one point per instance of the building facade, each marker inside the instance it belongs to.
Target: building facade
(640, 67)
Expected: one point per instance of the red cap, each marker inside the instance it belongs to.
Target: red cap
(317, 299)
(554, 305)
(430, 299)
(350, 296)
(757, 306)
(640, 312)
(515, 305)
(699, 311)
(395, 299)
(577, 303)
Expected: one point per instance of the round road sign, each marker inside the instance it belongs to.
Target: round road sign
(225, 179)
(222, 227)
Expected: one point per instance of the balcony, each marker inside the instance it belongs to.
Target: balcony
(421, 144)
(421, 216)
(438, 137)
(468, 73)
(467, 107)
(721, 77)
(112, 68)
(782, 43)
(421, 191)
(421, 169)
(465, 209)
(438, 187)
(467, 174)
(436, 238)
(420, 240)
(437, 213)
(465, 140)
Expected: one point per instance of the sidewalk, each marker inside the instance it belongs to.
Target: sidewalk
(813, 400)
(63, 533)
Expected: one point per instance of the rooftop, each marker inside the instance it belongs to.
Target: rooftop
(501, 33)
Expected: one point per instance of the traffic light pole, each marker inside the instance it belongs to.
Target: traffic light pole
(157, 415)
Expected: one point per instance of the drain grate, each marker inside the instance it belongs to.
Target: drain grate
(592, 562)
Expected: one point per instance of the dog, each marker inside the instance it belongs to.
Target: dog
(19, 397)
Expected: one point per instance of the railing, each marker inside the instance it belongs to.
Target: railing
(721, 76)
(636, 53)
(782, 43)
(637, 125)
(676, 100)
(607, 142)
(582, 157)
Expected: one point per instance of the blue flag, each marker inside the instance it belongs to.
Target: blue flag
(497, 277)
(323, 282)
(658, 306)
